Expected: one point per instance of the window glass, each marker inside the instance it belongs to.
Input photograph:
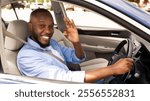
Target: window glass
(85, 17)
(23, 10)
(7, 13)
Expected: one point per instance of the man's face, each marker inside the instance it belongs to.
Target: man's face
(42, 29)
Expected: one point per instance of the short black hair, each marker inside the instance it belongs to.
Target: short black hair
(40, 10)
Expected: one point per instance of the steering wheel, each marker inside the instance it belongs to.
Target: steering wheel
(118, 55)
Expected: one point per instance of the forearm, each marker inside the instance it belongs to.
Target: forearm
(97, 74)
(122, 66)
(78, 50)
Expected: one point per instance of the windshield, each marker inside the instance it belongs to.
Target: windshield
(130, 10)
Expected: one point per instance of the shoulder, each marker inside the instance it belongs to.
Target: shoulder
(26, 50)
(52, 41)
(55, 44)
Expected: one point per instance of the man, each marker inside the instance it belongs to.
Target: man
(34, 58)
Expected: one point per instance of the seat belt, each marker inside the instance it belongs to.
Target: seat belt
(49, 53)
(72, 67)
(14, 37)
(2, 51)
(23, 41)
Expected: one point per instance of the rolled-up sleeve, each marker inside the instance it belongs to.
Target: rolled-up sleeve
(32, 64)
(60, 74)
(77, 76)
(70, 56)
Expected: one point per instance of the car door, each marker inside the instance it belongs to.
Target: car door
(98, 34)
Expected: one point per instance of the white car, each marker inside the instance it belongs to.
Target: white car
(108, 30)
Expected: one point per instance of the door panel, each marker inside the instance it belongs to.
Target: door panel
(99, 35)
(101, 43)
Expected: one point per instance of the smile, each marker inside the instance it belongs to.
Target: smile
(45, 37)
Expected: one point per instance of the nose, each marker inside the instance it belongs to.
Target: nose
(49, 30)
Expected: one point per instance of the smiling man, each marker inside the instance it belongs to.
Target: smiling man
(41, 56)
(38, 22)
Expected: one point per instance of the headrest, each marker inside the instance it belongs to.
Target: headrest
(18, 28)
(58, 35)
(61, 39)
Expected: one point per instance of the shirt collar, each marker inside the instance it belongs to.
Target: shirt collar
(37, 46)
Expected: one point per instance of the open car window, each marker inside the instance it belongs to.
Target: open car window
(88, 18)
(23, 10)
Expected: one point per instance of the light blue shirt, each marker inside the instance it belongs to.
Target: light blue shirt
(32, 60)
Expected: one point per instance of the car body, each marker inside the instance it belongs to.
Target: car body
(102, 25)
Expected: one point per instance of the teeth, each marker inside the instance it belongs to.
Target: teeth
(45, 37)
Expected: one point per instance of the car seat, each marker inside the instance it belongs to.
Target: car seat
(20, 29)
(86, 65)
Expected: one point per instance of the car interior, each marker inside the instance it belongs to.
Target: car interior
(19, 29)
(99, 44)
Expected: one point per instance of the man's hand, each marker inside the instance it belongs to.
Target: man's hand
(122, 66)
(72, 35)
(71, 31)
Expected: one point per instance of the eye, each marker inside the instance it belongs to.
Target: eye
(41, 26)
(51, 27)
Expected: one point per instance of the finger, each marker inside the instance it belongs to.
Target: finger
(73, 24)
(69, 23)
(130, 65)
(65, 33)
(66, 22)
(130, 59)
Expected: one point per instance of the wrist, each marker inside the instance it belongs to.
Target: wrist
(76, 43)
(112, 70)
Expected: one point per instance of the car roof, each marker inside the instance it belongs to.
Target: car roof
(127, 8)
(120, 5)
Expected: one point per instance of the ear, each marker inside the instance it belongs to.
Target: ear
(30, 27)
